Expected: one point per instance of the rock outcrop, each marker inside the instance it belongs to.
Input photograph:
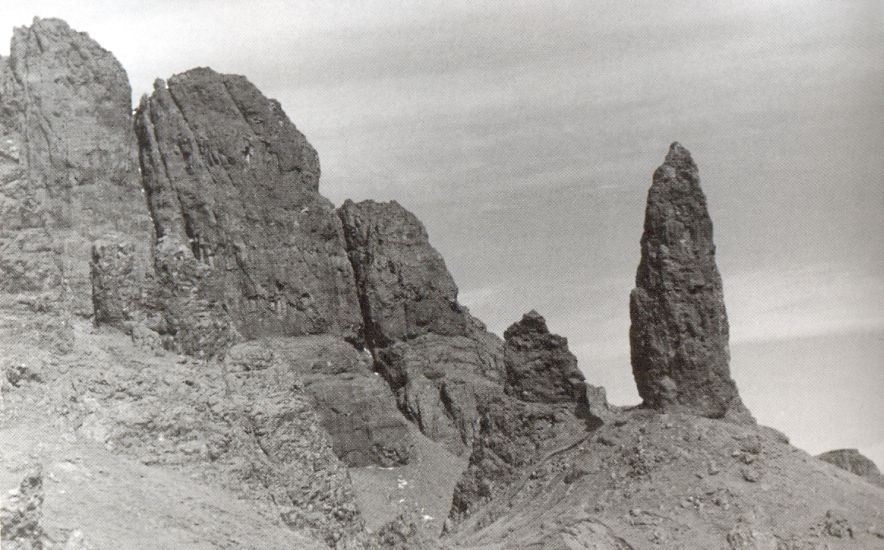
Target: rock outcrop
(243, 233)
(404, 287)
(500, 404)
(355, 406)
(433, 354)
(679, 332)
(21, 514)
(67, 165)
(539, 366)
(854, 462)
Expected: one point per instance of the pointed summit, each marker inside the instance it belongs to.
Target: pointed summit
(679, 332)
(679, 155)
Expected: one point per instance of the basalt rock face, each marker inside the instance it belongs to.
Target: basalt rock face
(405, 289)
(679, 332)
(242, 230)
(539, 365)
(356, 406)
(543, 404)
(854, 462)
(68, 174)
(434, 355)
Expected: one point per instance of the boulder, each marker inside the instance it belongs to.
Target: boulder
(679, 331)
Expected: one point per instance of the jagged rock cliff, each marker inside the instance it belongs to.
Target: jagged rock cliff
(404, 287)
(434, 355)
(356, 407)
(67, 166)
(243, 234)
(450, 375)
(679, 332)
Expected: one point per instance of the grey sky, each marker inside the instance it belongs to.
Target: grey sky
(525, 133)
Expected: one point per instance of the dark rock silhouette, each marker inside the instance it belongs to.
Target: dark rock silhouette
(404, 287)
(67, 165)
(854, 462)
(448, 372)
(539, 366)
(679, 332)
(232, 186)
(433, 354)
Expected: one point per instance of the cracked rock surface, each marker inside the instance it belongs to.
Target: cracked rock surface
(679, 331)
(232, 186)
(68, 173)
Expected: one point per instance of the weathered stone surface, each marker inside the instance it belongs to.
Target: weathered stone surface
(539, 366)
(67, 170)
(510, 436)
(355, 405)
(22, 512)
(256, 432)
(854, 462)
(232, 184)
(433, 354)
(437, 380)
(448, 372)
(679, 332)
(119, 292)
(405, 289)
(194, 317)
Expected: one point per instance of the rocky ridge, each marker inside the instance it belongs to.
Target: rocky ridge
(854, 462)
(233, 339)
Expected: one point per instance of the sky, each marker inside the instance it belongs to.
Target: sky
(524, 134)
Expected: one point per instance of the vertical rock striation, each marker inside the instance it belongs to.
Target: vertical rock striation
(67, 165)
(243, 234)
(434, 355)
(679, 331)
(405, 288)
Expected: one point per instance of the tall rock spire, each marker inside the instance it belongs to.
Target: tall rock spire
(679, 332)
(68, 174)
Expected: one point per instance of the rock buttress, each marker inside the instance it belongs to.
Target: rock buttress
(68, 173)
(447, 371)
(679, 331)
(405, 288)
(233, 187)
(434, 355)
